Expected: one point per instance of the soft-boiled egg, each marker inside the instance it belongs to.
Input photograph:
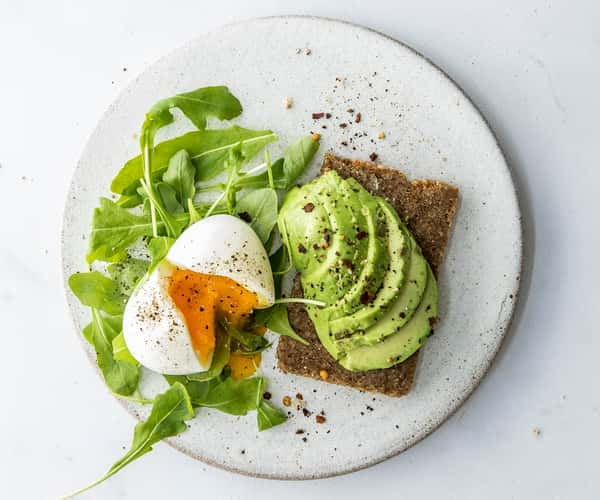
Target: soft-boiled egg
(217, 269)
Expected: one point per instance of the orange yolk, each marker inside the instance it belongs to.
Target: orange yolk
(204, 300)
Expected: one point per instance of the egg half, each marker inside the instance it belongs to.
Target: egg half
(217, 269)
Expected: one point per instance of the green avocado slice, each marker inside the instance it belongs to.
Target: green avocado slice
(398, 249)
(367, 275)
(401, 310)
(401, 345)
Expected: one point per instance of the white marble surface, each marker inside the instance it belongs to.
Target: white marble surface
(533, 70)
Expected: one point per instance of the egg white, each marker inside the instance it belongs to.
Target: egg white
(155, 330)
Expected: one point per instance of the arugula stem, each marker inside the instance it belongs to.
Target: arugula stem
(209, 189)
(214, 205)
(147, 140)
(256, 169)
(136, 398)
(269, 172)
(298, 300)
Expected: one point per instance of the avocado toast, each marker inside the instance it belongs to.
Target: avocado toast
(396, 289)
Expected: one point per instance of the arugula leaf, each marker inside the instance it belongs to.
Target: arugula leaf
(199, 104)
(251, 343)
(260, 206)
(115, 229)
(180, 175)
(280, 265)
(169, 412)
(168, 196)
(95, 290)
(120, 376)
(268, 416)
(286, 170)
(120, 350)
(219, 361)
(275, 318)
(295, 160)
(194, 214)
(236, 397)
(127, 274)
(158, 249)
(208, 151)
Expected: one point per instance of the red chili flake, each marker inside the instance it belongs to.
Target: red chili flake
(320, 419)
(299, 396)
(366, 297)
(245, 216)
(373, 156)
(301, 248)
(343, 125)
(317, 116)
(358, 118)
(309, 207)
(361, 234)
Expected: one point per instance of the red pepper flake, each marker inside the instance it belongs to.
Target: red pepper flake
(373, 156)
(301, 248)
(299, 396)
(317, 116)
(309, 207)
(358, 117)
(320, 419)
(245, 216)
(343, 125)
(361, 234)
(366, 297)
(350, 110)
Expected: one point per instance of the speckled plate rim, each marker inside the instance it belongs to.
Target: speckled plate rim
(459, 401)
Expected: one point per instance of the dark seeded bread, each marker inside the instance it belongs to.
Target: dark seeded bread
(428, 208)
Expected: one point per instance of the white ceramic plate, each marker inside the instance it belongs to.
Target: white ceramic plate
(432, 131)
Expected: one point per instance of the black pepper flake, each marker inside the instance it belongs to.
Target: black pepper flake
(309, 207)
(361, 234)
(316, 246)
(306, 413)
(245, 216)
(373, 156)
(358, 118)
(402, 315)
(301, 248)
(300, 431)
(304, 439)
(267, 395)
(343, 125)
(348, 263)
(317, 116)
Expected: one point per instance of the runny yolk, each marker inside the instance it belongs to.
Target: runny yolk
(204, 300)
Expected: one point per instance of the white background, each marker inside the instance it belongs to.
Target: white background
(534, 70)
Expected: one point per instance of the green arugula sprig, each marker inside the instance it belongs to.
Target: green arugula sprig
(160, 185)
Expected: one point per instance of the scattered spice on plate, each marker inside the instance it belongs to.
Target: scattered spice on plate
(381, 135)
(287, 103)
(300, 431)
(309, 207)
(373, 156)
(343, 125)
(320, 419)
(287, 401)
(267, 395)
(537, 432)
(299, 396)
(317, 116)
(358, 117)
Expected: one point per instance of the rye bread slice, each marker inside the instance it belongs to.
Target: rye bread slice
(427, 207)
